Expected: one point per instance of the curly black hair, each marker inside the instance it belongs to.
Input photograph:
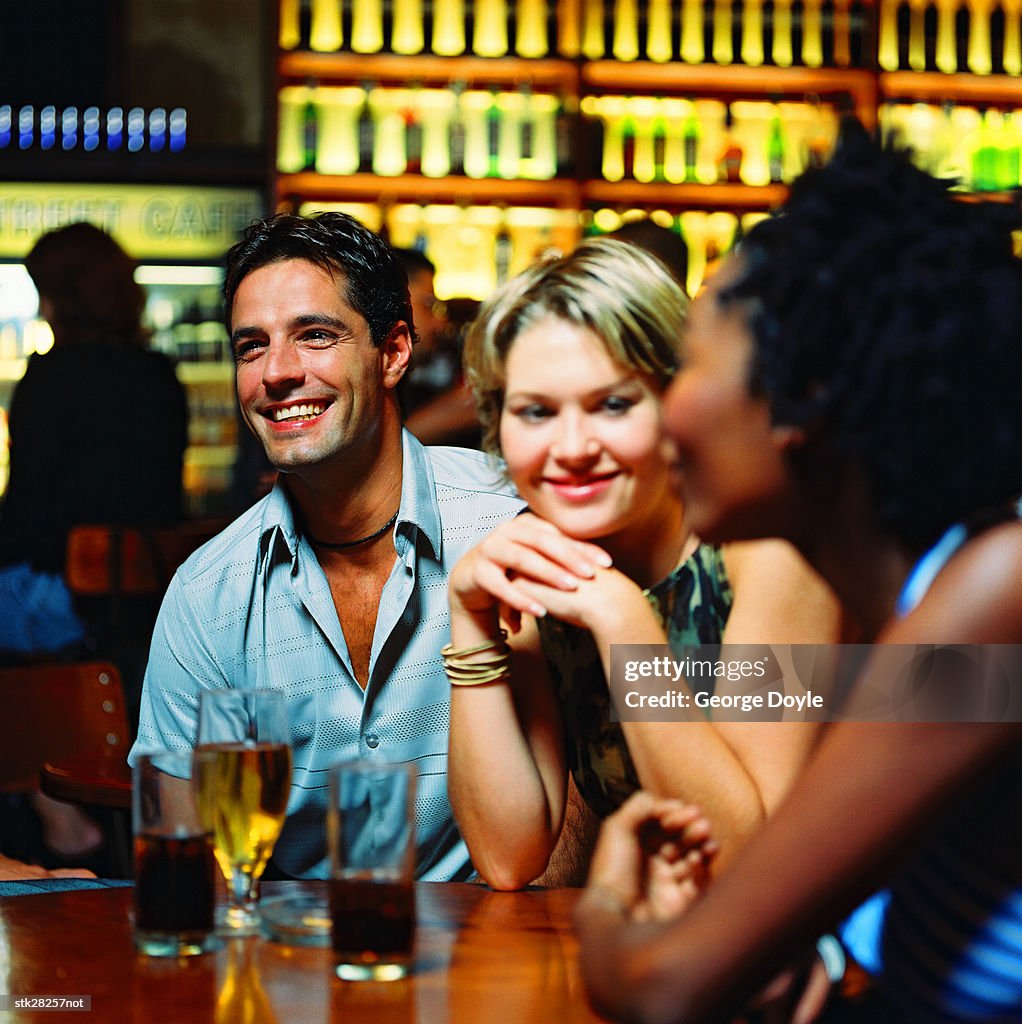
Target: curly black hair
(376, 285)
(887, 319)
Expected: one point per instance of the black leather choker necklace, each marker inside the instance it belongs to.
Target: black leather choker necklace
(316, 543)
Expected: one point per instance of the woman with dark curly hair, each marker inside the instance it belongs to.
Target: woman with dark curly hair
(852, 381)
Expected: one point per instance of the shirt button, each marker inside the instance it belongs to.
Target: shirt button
(372, 741)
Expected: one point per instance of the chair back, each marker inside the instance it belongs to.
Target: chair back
(57, 710)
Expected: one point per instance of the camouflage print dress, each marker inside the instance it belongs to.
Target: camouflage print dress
(693, 604)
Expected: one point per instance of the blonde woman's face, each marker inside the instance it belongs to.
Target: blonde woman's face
(581, 435)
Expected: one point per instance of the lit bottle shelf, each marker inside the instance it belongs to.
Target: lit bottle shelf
(413, 188)
(935, 87)
(385, 68)
(690, 196)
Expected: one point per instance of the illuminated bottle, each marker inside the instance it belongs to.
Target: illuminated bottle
(722, 46)
(625, 44)
(985, 160)
(413, 132)
(1011, 158)
(782, 51)
(503, 250)
(310, 128)
(812, 34)
(437, 113)
(730, 164)
(449, 27)
(388, 107)
(644, 115)
(407, 33)
(530, 28)
(690, 136)
(569, 27)
(493, 135)
(290, 31)
(692, 48)
(565, 123)
(775, 148)
(659, 47)
(475, 107)
(508, 108)
(47, 127)
(366, 131)
(980, 62)
(593, 46)
(887, 45)
(540, 162)
(917, 34)
(367, 26)
(674, 111)
(490, 37)
(325, 31)
(947, 55)
(339, 109)
(611, 111)
(752, 33)
(6, 130)
(456, 134)
(1012, 60)
(290, 128)
(842, 34)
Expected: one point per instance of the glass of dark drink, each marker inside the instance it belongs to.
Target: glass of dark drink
(175, 869)
(371, 834)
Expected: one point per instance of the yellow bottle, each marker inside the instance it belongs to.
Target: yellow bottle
(593, 47)
(812, 35)
(325, 31)
(389, 154)
(1012, 37)
(490, 38)
(449, 27)
(367, 26)
(782, 51)
(658, 31)
(887, 44)
(752, 33)
(290, 32)
(407, 32)
(530, 35)
(569, 28)
(437, 110)
(723, 51)
(979, 57)
(692, 50)
(339, 109)
(626, 30)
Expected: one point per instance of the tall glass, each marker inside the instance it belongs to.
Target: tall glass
(242, 774)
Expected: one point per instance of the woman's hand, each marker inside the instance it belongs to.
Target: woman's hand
(651, 860)
(525, 549)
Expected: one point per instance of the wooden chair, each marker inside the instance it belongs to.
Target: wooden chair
(56, 713)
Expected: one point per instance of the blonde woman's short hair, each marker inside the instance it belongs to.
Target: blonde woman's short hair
(615, 289)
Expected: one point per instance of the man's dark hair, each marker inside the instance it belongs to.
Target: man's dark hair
(887, 320)
(666, 245)
(375, 284)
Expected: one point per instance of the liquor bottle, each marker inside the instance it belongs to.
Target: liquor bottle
(436, 110)
(782, 50)
(842, 34)
(674, 111)
(367, 26)
(541, 112)
(625, 44)
(812, 34)
(693, 50)
(490, 37)
(569, 27)
(752, 33)
(1011, 157)
(310, 127)
(887, 43)
(593, 47)
(1012, 60)
(917, 35)
(610, 112)
(947, 55)
(985, 177)
(413, 132)
(388, 107)
(407, 34)
(325, 31)
(721, 41)
(290, 32)
(474, 110)
(690, 136)
(456, 134)
(730, 163)
(659, 46)
(644, 115)
(449, 27)
(566, 133)
(526, 132)
(338, 150)
(509, 108)
(530, 28)
(366, 129)
(775, 148)
(980, 62)
(503, 250)
(493, 135)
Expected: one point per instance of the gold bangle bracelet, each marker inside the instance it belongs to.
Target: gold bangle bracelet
(499, 644)
(489, 662)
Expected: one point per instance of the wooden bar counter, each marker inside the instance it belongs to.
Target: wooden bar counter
(481, 958)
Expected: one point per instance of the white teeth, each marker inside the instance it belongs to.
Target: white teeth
(292, 412)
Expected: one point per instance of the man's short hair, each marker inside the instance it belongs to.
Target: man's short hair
(375, 283)
(887, 322)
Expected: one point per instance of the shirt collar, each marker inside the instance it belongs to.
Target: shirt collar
(418, 509)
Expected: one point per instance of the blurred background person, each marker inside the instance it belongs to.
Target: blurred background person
(98, 428)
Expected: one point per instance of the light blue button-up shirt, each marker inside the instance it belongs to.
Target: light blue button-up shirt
(252, 608)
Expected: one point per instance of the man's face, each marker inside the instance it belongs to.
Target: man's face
(428, 325)
(311, 384)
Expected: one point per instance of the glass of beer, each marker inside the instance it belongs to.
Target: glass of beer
(175, 871)
(371, 834)
(242, 767)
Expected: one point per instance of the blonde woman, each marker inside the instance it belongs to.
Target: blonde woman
(568, 363)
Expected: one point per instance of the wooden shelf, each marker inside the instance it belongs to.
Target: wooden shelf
(300, 65)
(689, 196)
(413, 188)
(935, 87)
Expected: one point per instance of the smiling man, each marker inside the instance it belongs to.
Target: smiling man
(333, 588)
